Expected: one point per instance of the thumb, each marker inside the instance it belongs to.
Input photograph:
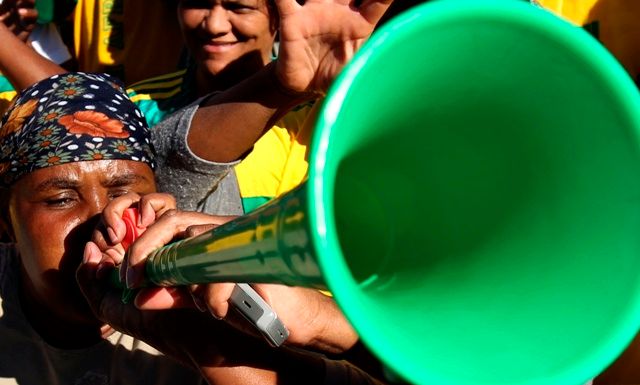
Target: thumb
(161, 298)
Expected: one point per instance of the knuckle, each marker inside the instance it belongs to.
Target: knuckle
(170, 199)
(135, 255)
(171, 214)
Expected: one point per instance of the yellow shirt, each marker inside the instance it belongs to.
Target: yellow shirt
(5, 100)
(279, 159)
(614, 22)
(131, 39)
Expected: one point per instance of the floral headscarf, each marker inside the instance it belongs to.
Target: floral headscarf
(71, 118)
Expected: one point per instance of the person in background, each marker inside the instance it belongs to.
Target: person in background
(270, 159)
(230, 41)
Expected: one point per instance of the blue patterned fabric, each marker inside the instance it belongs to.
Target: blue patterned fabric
(70, 118)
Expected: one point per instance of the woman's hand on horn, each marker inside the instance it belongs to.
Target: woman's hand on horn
(158, 223)
(313, 319)
(108, 237)
(221, 353)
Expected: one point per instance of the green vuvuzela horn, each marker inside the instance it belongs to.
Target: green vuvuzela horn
(473, 201)
(271, 245)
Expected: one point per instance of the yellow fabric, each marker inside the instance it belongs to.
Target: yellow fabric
(575, 11)
(157, 95)
(160, 84)
(5, 100)
(131, 39)
(278, 161)
(613, 22)
(161, 95)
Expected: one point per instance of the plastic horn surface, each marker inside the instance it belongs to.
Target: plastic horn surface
(473, 200)
(499, 146)
(273, 244)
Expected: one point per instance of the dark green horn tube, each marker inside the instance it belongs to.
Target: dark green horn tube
(271, 245)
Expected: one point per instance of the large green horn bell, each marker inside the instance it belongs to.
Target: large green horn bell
(473, 201)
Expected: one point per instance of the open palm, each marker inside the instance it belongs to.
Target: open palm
(319, 37)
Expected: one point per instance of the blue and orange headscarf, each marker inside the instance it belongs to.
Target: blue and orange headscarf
(71, 117)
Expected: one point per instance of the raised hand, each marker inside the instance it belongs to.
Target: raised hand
(319, 37)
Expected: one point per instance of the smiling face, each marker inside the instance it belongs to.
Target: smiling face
(230, 37)
(52, 212)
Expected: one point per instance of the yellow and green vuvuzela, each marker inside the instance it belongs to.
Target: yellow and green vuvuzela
(471, 203)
